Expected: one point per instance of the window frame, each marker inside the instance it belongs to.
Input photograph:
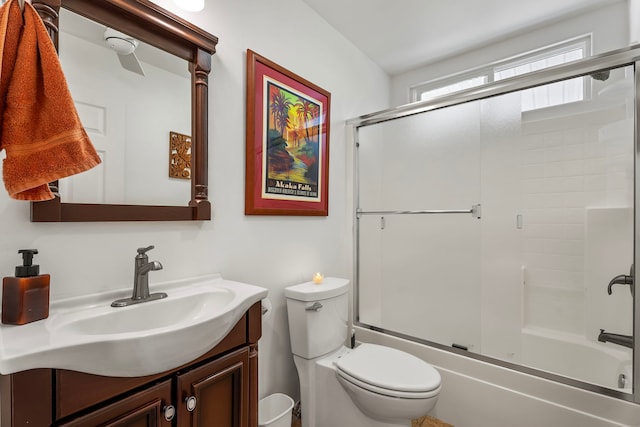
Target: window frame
(488, 71)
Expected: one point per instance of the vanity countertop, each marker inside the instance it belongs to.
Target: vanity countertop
(86, 334)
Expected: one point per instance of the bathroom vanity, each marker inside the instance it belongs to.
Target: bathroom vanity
(218, 389)
(189, 359)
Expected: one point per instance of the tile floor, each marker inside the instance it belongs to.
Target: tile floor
(420, 422)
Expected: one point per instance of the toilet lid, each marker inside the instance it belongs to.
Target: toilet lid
(389, 369)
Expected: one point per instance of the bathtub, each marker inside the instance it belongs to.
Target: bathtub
(604, 364)
(477, 393)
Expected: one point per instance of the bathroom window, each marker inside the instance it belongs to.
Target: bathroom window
(456, 86)
(558, 93)
(532, 99)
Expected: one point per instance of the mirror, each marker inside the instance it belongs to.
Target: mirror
(131, 133)
(168, 46)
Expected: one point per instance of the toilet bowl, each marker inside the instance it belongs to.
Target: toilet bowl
(388, 384)
(367, 386)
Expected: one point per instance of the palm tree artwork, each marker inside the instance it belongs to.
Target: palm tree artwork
(292, 144)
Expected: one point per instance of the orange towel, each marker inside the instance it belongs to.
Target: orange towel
(39, 126)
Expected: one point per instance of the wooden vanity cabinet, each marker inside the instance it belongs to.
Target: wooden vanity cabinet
(143, 409)
(219, 389)
(218, 393)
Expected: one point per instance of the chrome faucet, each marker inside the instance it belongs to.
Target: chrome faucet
(623, 340)
(141, 280)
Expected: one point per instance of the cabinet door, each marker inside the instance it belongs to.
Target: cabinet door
(216, 394)
(143, 409)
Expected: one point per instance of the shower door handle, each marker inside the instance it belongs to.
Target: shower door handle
(316, 306)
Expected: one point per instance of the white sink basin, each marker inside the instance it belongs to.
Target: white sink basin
(86, 334)
(146, 317)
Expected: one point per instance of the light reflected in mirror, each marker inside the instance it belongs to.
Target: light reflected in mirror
(128, 116)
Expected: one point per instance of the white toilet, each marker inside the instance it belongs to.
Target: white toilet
(368, 386)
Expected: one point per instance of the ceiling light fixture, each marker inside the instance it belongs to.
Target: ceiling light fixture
(190, 5)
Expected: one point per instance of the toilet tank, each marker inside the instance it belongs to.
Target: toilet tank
(318, 316)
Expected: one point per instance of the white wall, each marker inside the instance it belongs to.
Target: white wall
(273, 252)
(609, 27)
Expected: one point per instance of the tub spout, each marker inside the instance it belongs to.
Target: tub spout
(623, 340)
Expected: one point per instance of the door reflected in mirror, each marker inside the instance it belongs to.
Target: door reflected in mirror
(129, 97)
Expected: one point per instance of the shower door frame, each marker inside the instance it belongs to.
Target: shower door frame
(618, 58)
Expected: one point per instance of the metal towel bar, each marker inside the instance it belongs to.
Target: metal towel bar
(474, 211)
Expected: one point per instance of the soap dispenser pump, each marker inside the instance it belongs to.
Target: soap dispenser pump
(25, 297)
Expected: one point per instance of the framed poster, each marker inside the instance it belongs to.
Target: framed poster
(287, 142)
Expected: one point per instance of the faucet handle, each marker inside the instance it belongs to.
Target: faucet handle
(142, 251)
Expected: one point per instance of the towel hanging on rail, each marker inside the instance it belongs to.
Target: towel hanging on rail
(40, 130)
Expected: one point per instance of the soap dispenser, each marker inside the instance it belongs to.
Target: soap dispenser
(25, 297)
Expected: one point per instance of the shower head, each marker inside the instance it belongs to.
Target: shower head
(600, 75)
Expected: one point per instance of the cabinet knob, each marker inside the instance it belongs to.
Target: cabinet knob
(191, 403)
(169, 412)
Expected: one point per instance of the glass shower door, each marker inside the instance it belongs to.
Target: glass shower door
(419, 264)
(501, 230)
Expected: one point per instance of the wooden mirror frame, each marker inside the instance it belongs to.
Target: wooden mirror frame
(152, 24)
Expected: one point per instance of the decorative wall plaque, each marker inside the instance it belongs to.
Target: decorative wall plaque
(179, 156)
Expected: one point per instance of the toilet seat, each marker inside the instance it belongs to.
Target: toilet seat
(388, 371)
